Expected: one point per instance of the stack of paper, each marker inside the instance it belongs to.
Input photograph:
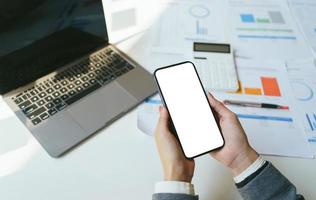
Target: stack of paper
(269, 131)
(273, 43)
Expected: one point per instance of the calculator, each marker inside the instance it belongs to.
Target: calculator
(216, 67)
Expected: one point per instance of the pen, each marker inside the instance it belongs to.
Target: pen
(255, 105)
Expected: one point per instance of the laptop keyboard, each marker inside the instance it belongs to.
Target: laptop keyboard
(47, 98)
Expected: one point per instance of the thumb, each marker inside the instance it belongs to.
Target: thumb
(163, 118)
(218, 106)
(162, 128)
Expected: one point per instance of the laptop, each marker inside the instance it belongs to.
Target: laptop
(59, 73)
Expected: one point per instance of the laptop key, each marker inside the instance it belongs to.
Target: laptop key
(32, 93)
(85, 85)
(42, 94)
(49, 90)
(44, 116)
(84, 79)
(92, 81)
(72, 92)
(18, 100)
(25, 97)
(41, 102)
(78, 75)
(60, 106)
(79, 89)
(34, 99)
(70, 86)
(49, 105)
(105, 80)
(52, 111)
(25, 104)
(39, 88)
(29, 109)
(57, 86)
(83, 93)
(63, 90)
(28, 95)
(19, 95)
(57, 101)
(56, 94)
(48, 98)
(64, 82)
(36, 121)
(91, 75)
(64, 97)
(77, 82)
(97, 71)
(36, 113)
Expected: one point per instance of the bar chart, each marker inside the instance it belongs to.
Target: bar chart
(269, 86)
(200, 30)
(262, 29)
(272, 23)
(275, 17)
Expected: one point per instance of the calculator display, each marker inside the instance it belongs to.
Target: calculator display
(208, 47)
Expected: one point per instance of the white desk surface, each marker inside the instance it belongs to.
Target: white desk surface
(119, 162)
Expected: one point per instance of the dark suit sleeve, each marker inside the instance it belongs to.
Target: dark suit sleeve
(171, 196)
(267, 183)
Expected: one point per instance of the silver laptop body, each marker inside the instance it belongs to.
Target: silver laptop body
(80, 115)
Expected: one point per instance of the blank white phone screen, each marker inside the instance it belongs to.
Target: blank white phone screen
(190, 112)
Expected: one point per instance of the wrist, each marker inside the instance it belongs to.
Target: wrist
(243, 161)
(178, 173)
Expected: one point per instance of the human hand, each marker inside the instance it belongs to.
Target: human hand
(237, 154)
(175, 165)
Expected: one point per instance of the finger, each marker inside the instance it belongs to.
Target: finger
(163, 121)
(163, 135)
(218, 106)
(164, 116)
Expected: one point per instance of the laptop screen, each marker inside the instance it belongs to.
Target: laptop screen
(39, 36)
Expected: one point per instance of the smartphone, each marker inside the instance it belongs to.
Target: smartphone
(192, 117)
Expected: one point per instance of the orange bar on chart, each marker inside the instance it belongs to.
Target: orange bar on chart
(253, 91)
(270, 86)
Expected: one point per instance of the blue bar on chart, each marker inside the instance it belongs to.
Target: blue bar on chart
(263, 117)
(312, 139)
(200, 30)
(311, 119)
(247, 18)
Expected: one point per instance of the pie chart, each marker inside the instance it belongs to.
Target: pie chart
(302, 91)
(199, 11)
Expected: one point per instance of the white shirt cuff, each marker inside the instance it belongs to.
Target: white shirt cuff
(174, 187)
(250, 170)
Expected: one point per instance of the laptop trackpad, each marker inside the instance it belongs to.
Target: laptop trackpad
(94, 111)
